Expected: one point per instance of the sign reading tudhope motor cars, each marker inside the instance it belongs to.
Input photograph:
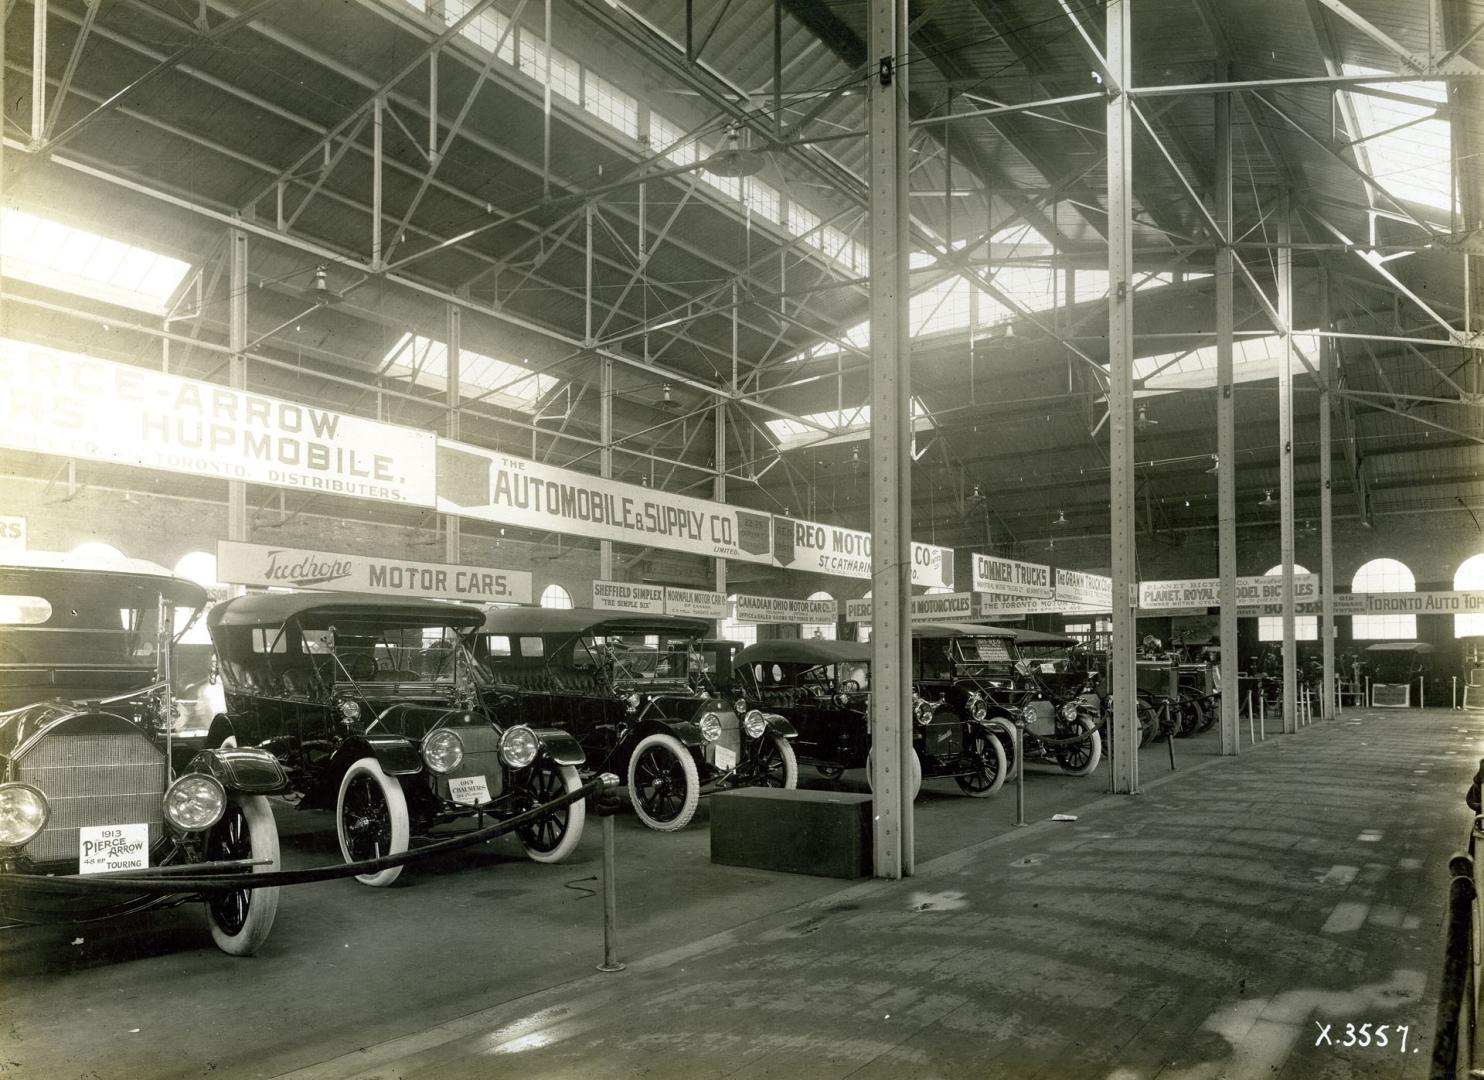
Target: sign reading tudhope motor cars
(829, 549)
(479, 483)
(54, 402)
(294, 568)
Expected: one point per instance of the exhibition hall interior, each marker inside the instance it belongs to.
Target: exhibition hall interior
(683, 539)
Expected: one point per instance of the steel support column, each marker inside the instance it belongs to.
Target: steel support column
(454, 330)
(237, 527)
(1285, 459)
(719, 493)
(891, 487)
(1326, 506)
(1125, 768)
(1226, 433)
(38, 72)
(605, 453)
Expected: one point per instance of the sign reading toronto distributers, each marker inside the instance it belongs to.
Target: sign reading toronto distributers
(294, 568)
(629, 596)
(1010, 577)
(54, 402)
(783, 609)
(479, 483)
(829, 549)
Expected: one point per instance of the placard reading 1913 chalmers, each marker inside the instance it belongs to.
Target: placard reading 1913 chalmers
(54, 402)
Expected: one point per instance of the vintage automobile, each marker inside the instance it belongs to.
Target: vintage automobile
(372, 706)
(823, 688)
(86, 779)
(638, 694)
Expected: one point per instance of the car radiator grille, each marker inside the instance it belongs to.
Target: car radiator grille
(481, 758)
(93, 779)
(943, 740)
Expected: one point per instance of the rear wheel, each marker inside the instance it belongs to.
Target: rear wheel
(830, 772)
(556, 836)
(240, 921)
(371, 818)
(1148, 723)
(988, 758)
(914, 768)
(663, 783)
(769, 762)
(1081, 758)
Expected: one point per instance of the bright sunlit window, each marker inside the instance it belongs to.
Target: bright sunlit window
(554, 596)
(58, 256)
(1305, 627)
(425, 362)
(485, 30)
(1383, 576)
(1403, 144)
(611, 105)
(566, 73)
(732, 630)
(764, 201)
(1470, 575)
(940, 308)
(1253, 358)
(846, 425)
(824, 631)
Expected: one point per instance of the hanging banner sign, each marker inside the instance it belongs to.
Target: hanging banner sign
(628, 596)
(1197, 592)
(486, 484)
(995, 606)
(695, 603)
(295, 568)
(1408, 603)
(1010, 577)
(937, 607)
(780, 609)
(54, 402)
(830, 549)
(1090, 590)
(12, 532)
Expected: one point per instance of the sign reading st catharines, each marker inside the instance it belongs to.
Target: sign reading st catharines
(54, 402)
(238, 563)
(492, 486)
(830, 549)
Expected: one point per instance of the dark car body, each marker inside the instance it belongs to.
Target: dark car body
(85, 747)
(367, 700)
(644, 695)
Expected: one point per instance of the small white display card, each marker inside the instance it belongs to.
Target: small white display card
(726, 758)
(101, 848)
(468, 789)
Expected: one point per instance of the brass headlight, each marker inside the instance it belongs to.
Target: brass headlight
(23, 814)
(443, 750)
(519, 746)
(754, 724)
(711, 727)
(1069, 711)
(978, 708)
(1028, 714)
(922, 710)
(195, 802)
(350, 710)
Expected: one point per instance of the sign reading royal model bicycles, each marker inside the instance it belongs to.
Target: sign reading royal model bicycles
(829, 549)
(1010, 577)
(697, 603)
(784, 609)
(264, 564)
(629, 596)
(54, 402)
(493, 486)
(1206, 592)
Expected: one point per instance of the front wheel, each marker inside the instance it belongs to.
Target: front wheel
(1081, 758)
(770, 762)
(240, 921)
(371, 818)
(663, 783)
(830, 772)
(988, 758)
(914, 768)
(555, 836)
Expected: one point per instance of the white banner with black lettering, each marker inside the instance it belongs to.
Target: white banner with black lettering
(937, 607)
(1080, 587)
(1196, 592)
(695, 603)
(830, 549)
(296, 568)
(54, 402)
(486, 484)
(783, 609)
(1011, 577)
(629, 596)
(12, 531)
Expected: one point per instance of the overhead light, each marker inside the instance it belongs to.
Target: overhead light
(1215, 465)
(1267, 498)
(734, 160)
(320, 292)
(1061, 518)
(666, 402)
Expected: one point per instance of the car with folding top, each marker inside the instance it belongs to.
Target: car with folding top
(824, 689)
(372, 706)
(87, 782)
(641, 694)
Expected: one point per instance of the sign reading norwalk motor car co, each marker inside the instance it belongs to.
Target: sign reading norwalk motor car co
(264, 565)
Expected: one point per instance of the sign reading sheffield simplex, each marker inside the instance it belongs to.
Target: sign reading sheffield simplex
(1010, 577)
(263, 564)
(783, 609)
(697, 603)
(628, 596)
(54, 402)
(479, 483)
(829, 549)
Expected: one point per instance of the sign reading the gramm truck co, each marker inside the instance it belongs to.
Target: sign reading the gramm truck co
(1010, 577)
(295, 568)
(1080, 587)
(830, 549)
(54, 402)
(486, 484)
(629, 596)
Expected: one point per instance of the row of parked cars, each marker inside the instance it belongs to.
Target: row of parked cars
(400, 717)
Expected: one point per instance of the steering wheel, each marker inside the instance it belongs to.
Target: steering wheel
(851, 686)
(10, 654)
(360, 667)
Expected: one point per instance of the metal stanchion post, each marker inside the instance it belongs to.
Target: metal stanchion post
(1422, 691)
(1455, 691)
(1019, 772)
(610, 898)
(1262, 710)
(1251, 721)
(1170, 739)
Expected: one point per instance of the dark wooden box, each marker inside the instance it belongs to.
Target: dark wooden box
(825, 833)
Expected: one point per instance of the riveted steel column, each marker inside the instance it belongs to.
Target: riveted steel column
(452, 539)
(891, 489)
(719, 492)
(1125, 767)
(1326, 507)
(1226, 434)
(38, 69)
(605, 454)
(378, 106)
(1285, 460)
(237, 366)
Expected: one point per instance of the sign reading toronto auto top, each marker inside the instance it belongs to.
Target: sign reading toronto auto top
(830, 549)
(54, 402)
(264, 564)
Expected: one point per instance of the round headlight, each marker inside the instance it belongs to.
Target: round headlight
(195, 802)
(1028, 714)
(23, 813)
(754, 723)
(922, 711)
(518, 746)
(978, 709)
(351, 710)
(632, 701)
(443, 750)
(711, 727)
(1069, 711)
(741, 706)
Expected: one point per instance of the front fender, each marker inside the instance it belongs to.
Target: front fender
(779, 725)
(560, 746)
(688, 733)
(244, 769)
(396, 756)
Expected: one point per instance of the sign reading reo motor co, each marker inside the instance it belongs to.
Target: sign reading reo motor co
(629, 596)
(783, 609)
(262, 565)
(478, 483)
(1010, 577)
(829, 549)
(54, 402)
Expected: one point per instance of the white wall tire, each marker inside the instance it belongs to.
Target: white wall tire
(984, 743)
(371, 818)
(1077, 761)
(915, 769)
(240, 922)
(664, 786)
(553, 839)
(772, 764)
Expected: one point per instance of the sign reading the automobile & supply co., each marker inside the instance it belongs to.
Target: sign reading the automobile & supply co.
(296, 568)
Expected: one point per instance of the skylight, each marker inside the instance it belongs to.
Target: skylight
(1403, 145)
(848, 425)
(1253, 359)
(425, 362)
(74, 260)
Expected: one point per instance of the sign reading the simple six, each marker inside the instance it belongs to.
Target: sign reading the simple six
(12, 531)
(781, 609)
(101, 848)
(696, 603)
(1010, 577)
(54, 402)
(628, 596)
(262, 564)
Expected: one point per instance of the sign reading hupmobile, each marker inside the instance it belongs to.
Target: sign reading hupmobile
(697, 603)
(830, 549)
(1011, 577)
(295, 568)
(54, 402)
(479, 483)
(783, 609)
(629, 596)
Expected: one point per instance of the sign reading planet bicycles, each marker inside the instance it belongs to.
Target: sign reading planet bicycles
(295, 568)
(486, 484)
(1199, 592)
(54, 402)
(829, 549)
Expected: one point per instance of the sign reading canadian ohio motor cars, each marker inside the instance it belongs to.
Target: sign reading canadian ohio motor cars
(486, 484)
(784, 609)
(54, 402)
(263, 565)
(830, 549)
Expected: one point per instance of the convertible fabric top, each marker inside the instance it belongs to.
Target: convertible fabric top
(262, 609)
(805, 651)
(1420, 647)
(1040, 637)
(137, 574)
(958, 630)
(537, 620)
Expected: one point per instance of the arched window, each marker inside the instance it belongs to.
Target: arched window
(1270, 627)
(94, 549)
(554, 596)
(863, 630)
(200, 567)
(732, 630)
(1380, 576)
(825, 630)
(1470, 575)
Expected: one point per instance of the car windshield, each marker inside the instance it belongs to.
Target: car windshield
(982, 654)
(423, 654)
(81, 621)
(635, 660)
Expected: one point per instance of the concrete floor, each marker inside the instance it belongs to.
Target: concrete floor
(1198, 930)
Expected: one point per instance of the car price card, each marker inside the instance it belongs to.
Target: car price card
(101, 848)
